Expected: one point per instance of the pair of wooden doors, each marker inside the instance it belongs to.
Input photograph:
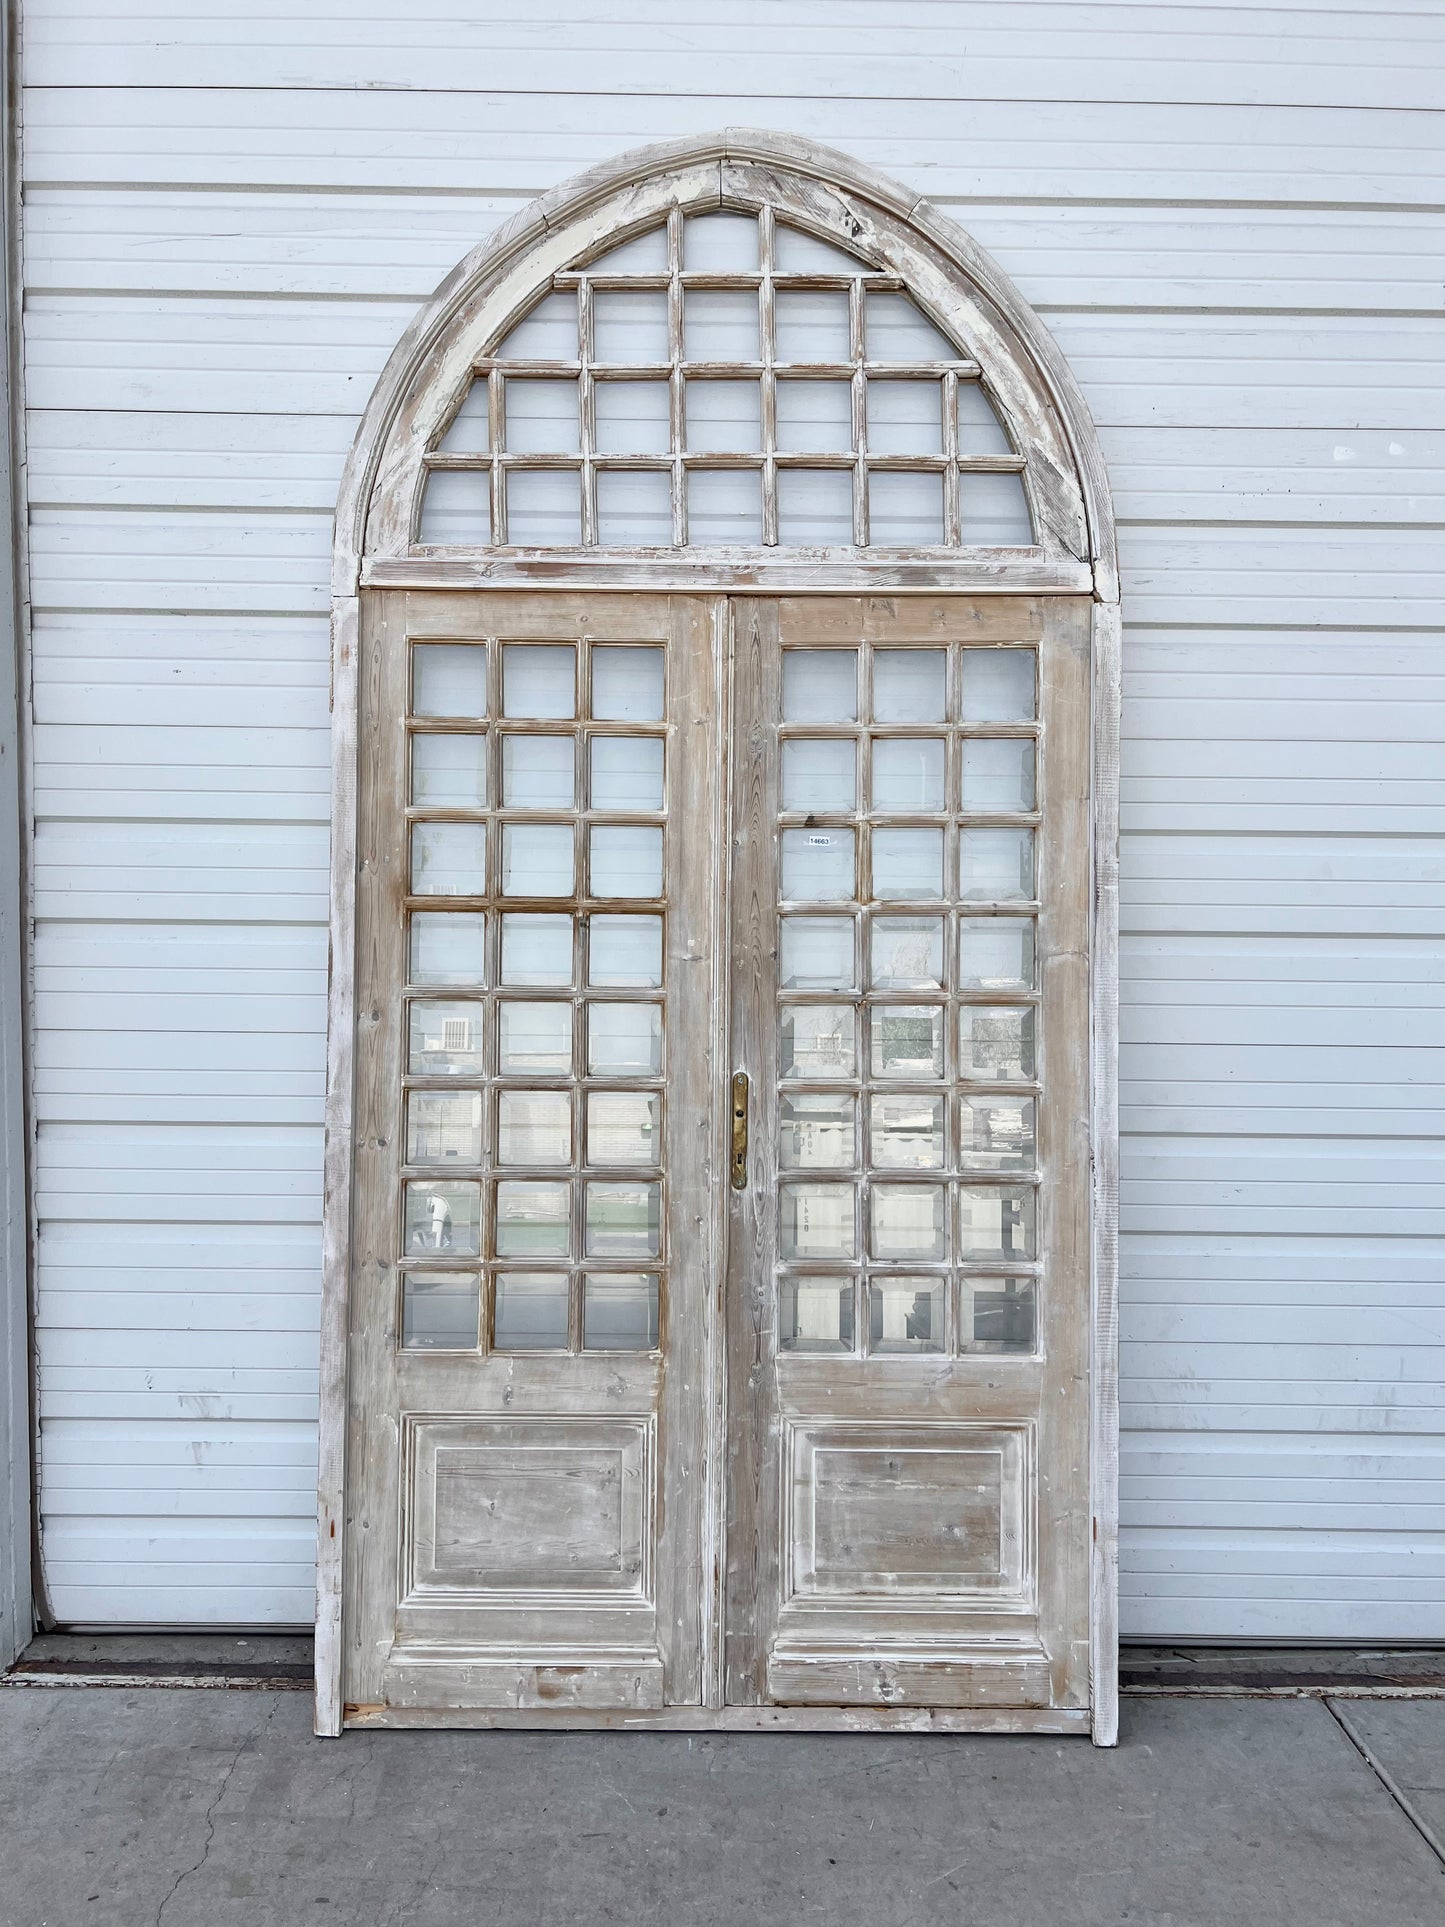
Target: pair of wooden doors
(718, 1329)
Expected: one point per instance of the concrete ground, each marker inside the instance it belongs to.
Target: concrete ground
(190, 1807)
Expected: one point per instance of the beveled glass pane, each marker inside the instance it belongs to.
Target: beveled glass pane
(815, 417)
(627, 685)
(456, 508)
(623, 1127)
(634, 508)
(444, 1039)
(907, 1040)
(998, 774)
(905, 509)
(998, 1314)
(448, 679)
(898, 330)
(624, 860)
(539, 680)
(443, 1216)
(905, 1131)
(448, 948)
(818, 865)
(624, 1040)
(626, 773)
(816, 1221)
(541, 417)
(905, 1314)
(619, 1311)
(820, 773)
(996, 953)
(907, 953)
(538, 773)
(534, 1040)
(996, 1221)
(997, 1134)
(996, 1042)
(993, 510)
(816, 953)
(908, 773)
(996, 866)
(548, 333)
(448, 859)
(795, 252)
(536, 950)
(910, 686)
(815, 1314)
(530, 1313)
(720, 244)
(815, 507)
(629, 325)
(544, 509)
(980, 432)
(723, 417)
(469, 432)
(725, 506)
(720, 324)
(624, 1220)
(533, 1220)
(905, 418)
(998, 685)
(812, 325)
(818, 1040)
(538, 860)
(534, 1127)
(908, 1221)
(449, 771)
(444, 1127)
(645, 253)
(441, 1311)
(816, 1129)
(907, 863)
(625, 950)
(820, 685)
(632, 417)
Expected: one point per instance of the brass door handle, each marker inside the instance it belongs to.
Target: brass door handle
(740, 1130)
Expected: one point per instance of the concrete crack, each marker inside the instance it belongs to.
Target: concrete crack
(186, 1872)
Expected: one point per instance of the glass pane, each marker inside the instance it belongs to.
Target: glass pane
(996, 1042)
(629, 325)
(998, 775)
(905, 418)
(980, 431)
(910, 686)
(624, 1220)
(625, 861)
(725, 506)
(993, 509)
(541, 417)
(816, 1130)
(816, 1221)
(534, 1039)
(815, 507)
(908, 773)
(720, 244)
(544, 509)
(534, 1127)
(795, 252)
(632, 417)
(533, 1220)
(720, 324)
(816, 953)
(619, 1312)
(450, 771)
(907, 863)
(627, 685)
(548, 333)
(909, 1221)
(448, 859)
(905, 1132)
(643, 254)
(815, 417)
(469, 432)
(905, 1314)
(440, 1311)
(997, 1134)
(538, 773)
(623, 1127)
(723, 417)
(444, 1040)
(907, 953)
(531, 1312)
(448, 949)
(538, 859)
(820, 773)
(812, 325)
(444, 1127)
(624, 1040)
(626, 773)
(815, 1315)
(996, 953)
(905, 510)
(818, 865)
(539, 681)
(634, 509)
(820, 686)
(898, 330)
(998, 685)
(448, 679)
(996, 866)
(456, 508)
(625, 950)
(536, 950)
(997, 1314)
(907, 1040)
(996, 1221)
(818, 1040)
(443, 1217)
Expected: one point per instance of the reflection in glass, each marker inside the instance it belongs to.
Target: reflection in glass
(533, 1220)
(538, 860)
(450, 771)
(815, 1314)
(724, 505)
(539, 680)
(544, 511)
(910, 686)
(634, 508)
(468, 432)
(905, 1131)
(815, 507)
(820, 685)
(998, 1314)
(627, 684)
(815, 417)
(629, 325)
(530, 1312)
(624, 951)
(898, 330)
(541, 416)
(980, 431)
(720, 244)
(448, 859)
(817, 1040)
(624, 1040)
(534, 1039)
(909, 1221)
(820, 773)
(548, 333)
(993, 511)
(537, 949)
(448, 948)
(818, 865)
(816, 1130)
(995, 865)
(997, 1134)
(996, 1042)
(624, 1220)
(444, 1127)
(907, 1040)
(624, 860)
(998, 774)
(538, 773)
(811, 325)
(448, 679)
(443, 1217)
(816, 953)
(905, 418)
(905, 1314)
(723, 417)
(907, 953)
(534, 1127)
(908, 773)
(445, 1040)
(632, 417)
(905, 509)
(996, 953)
(996, 1221)
(623, 1127)
(816, 1221)
(645, 253)
(795, 252)
(626, 773)
(720, 324)
(440, 1311)
(907, 864)
(998, 685)
(619, 1311)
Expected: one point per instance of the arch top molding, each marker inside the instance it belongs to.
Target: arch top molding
(825, 193)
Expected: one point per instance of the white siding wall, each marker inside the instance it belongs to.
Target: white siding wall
(1232, 220)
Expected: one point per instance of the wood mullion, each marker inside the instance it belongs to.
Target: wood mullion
(951, 525)
(858, 346)
(768, 393)
(676, 389)
(497, 437)
(586, 415)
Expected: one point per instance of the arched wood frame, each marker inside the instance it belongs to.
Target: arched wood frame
(834, 197)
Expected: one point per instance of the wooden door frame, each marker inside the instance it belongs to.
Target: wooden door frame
(835, 197)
